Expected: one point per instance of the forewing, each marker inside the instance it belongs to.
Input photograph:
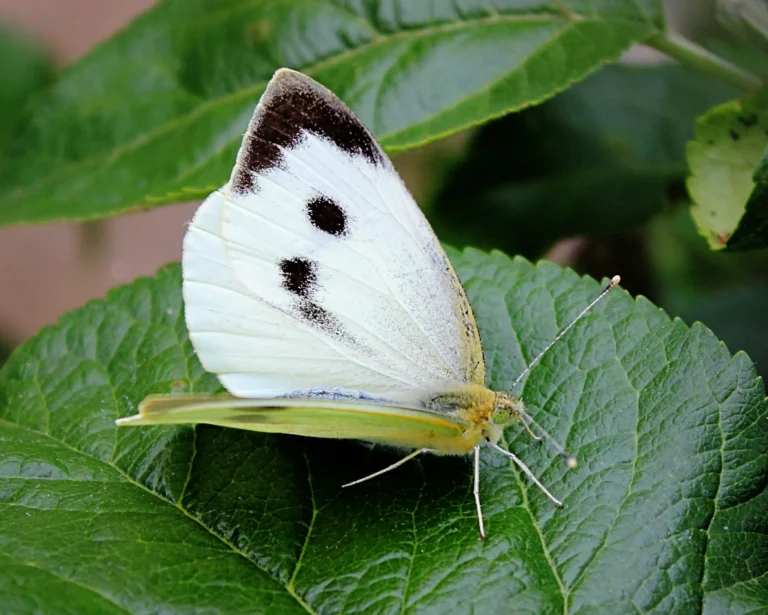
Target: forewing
(257, 349)
(318, 228)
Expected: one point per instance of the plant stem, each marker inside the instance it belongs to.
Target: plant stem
(688, 52)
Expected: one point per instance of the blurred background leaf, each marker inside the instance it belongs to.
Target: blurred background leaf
(155, 114)
(601, 158)
(26, 70)
(752, 230)
(722, 289)
(746, 20)
(730, 200)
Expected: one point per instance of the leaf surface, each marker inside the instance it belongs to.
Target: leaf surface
(155, 115)
(666, 512)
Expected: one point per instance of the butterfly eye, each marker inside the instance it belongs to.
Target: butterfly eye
(501, 416)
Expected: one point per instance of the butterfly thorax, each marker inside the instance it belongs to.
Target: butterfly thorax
(490, 412)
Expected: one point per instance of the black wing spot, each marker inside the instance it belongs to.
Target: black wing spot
(735, 136)
(299, 276)
(326, 215)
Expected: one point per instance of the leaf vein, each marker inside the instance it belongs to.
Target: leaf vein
(74, 582)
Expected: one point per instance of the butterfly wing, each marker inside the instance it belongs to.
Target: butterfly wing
(314, 268)
(386, 423)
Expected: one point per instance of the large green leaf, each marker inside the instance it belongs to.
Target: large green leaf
(155, 114)
(666, 512)
(598, 159)
(729, 173)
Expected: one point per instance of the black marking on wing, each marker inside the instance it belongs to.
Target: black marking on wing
(258, 155)
(319, 317)
(299, 276)
(327, 215)
(291, 105)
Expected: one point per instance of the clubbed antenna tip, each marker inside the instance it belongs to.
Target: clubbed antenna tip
(571, 462)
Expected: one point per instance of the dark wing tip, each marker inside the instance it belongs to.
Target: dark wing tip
(292, 105)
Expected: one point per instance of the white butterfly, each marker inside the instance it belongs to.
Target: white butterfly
(317, 292)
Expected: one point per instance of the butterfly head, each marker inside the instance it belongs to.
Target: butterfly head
(507, 409)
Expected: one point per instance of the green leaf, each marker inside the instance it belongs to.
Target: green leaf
(729, 174)
(155, 115)
(598, 159)
(26, 69)
(666, 512)
(752, 230)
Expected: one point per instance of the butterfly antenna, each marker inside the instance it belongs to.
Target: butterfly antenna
(614, 282)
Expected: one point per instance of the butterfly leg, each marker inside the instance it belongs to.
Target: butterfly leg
(529, 430)
(476, 492)
(527, 471)
(388, 468)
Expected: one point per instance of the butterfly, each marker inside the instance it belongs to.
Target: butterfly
(317, 292)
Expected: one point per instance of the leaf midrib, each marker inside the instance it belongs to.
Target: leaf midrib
(110, 155)
(127, 478)
(716, 498)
